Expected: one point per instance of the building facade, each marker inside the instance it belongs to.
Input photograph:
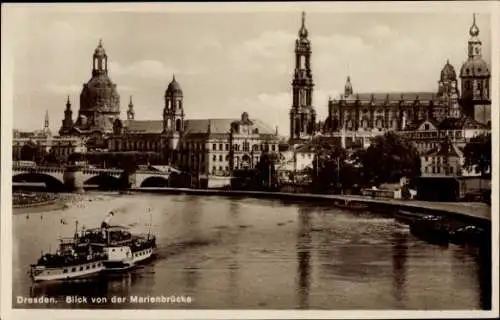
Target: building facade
(425, 117)
(207, 147)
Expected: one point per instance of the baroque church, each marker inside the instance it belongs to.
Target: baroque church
(209, 147)
(360, 116)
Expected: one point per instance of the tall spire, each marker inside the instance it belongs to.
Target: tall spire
(68, 104)
(46, 121)
(303, 31)
(130, 111)
(348, 87)
(474, 30)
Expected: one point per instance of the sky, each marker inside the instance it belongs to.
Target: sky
(228, 62)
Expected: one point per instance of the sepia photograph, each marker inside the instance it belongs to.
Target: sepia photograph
(291, 159)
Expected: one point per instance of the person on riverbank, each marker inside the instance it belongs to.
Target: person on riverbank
(105, 223)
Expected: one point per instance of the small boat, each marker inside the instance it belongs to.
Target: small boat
(71, 260)
(469, 235)
(434, 229)
(407, 217)
(349, 205)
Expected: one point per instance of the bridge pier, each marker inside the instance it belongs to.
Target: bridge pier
(73, 179)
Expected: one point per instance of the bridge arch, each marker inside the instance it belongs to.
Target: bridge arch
(155, 181)
(103, 181)
(51, 182)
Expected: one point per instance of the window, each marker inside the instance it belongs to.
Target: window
(426, 158)
(227, 168)
(426, 170)
(426, 126)
(214, 169)
(220, 146)
(451, 170)
(220, 158)
(227, 146)
(214, 158)
(73, 269)
(65, 271)
(273, 147)
(220, 168)
(227, 158)
(214, 146)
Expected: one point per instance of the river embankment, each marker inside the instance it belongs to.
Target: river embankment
(472, 210)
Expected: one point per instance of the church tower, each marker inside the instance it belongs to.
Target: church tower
(448, 95)
(46, 130)
(130, 111)
(67, 123)
(173, 116)
(302, 113)
(475, 78)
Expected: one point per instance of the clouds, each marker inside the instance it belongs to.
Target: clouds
(230, 63)
(151, 69)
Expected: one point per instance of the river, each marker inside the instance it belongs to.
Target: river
(245, 253)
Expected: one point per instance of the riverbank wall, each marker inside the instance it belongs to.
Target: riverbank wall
(474, 212)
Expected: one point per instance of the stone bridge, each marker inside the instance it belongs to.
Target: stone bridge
(61, 176)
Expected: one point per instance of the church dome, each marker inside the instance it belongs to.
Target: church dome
(173, 88)
(100, 93)
(475, 68)
(448, 73)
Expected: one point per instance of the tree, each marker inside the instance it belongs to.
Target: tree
(266, 168)
(477, 153)
(327, 166)
(387, 159)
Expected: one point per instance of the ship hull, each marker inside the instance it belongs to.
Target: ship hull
(42, 273)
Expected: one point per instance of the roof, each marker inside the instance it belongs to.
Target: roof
(197, 126)
(460, 123)
(392, 96)
(221, 126)
(416, 125)
(143, 126)
(446, 149)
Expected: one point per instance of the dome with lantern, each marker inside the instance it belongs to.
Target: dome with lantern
(100, 93)
(173, 89)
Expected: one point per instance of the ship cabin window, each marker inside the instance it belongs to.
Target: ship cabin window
(93, 266)
(87, 267)
(73, 269)
(112, 250)
(65, 271)
(81, 268)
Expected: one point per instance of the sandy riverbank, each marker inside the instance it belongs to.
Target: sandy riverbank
(61, 201)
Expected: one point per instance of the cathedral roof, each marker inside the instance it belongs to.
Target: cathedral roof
(391, 96)
(143, 126)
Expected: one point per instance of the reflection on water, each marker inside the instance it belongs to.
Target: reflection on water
(399, 257)
(303, 257)
(249, 253)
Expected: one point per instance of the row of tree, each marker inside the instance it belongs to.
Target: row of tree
(388, 158)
